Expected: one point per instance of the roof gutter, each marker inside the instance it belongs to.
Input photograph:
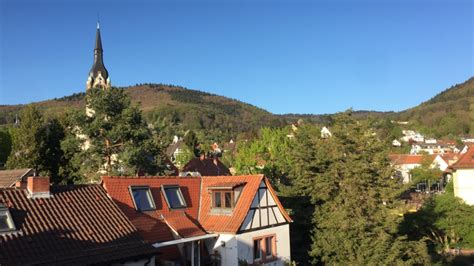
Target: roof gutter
(183, 240)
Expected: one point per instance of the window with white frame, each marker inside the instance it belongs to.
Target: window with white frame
(142, 198)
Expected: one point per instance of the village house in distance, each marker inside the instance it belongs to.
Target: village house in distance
(208, 217)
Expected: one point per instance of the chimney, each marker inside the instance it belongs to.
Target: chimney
(38, 187)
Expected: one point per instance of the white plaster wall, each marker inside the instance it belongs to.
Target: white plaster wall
(229, 251)
(282, 232)
(464, 185)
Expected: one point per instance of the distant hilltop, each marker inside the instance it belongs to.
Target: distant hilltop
(449, 112)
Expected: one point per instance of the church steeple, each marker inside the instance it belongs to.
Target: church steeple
(98, 75)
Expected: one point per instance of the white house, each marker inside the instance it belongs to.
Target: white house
(251, 223)
(194, 220)
(396, 143)
(463, 176)
(433, 146)
(412, 135)
(404, 163)
(325, 133)
(176, 148)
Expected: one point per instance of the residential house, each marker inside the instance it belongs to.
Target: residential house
(225, 220)
(165, 212)
(205, 166)
(396, 143)
(404, 163)
(8, 178)
(251, 223)
(433, 146)
(66, 225)
(463, 176)
(410, 135)
(175, 149)
(325, 133)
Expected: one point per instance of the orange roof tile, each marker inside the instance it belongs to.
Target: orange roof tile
(152, 225)
(399, 159)
(184, 225)
(466, 160)
(231, 223)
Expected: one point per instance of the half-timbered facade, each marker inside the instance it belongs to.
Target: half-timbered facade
(210, 219)
(248, 218)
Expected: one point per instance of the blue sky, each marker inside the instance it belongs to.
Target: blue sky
(283, 56)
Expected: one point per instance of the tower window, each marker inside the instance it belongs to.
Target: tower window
(142, 198)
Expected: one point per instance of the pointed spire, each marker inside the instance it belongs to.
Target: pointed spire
(98, 40)
(98, 75)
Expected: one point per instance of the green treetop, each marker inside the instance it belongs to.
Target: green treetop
(115, 138)
(348, 179)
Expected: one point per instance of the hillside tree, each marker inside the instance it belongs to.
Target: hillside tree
(115, 138)
(348, 180)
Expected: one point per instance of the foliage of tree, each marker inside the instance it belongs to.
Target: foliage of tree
(116, 139)
(266, 154)
(426, 172)
(36, 144)
(444, 219)
(5, 145)
(192, 143)
(348, 179)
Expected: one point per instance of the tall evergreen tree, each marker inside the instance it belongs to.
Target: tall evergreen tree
(5, 145)
(37, 144)
(28, 141)
(115, 139)
(348, 179)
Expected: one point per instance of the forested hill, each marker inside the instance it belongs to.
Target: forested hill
(168, 104)
(449, 112)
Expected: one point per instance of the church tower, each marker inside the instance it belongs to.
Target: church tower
(98, 75)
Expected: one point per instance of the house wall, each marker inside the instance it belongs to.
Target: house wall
(226, 246)
(405, 171)
(282, 233)
(463, 181)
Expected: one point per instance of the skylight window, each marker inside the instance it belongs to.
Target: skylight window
(6, 221)
(174, 197)
(142, 198)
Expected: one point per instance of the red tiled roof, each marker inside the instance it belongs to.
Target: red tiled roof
(152, 225)
(207, 167)
(450, 158)
(77, 225)
(399, 159)
(184, 225)
(9, 177)
(231, 223)
(466, 160)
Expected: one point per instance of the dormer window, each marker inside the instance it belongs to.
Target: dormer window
(142, 198)
(224, 197)
(174, 197)
(6, 221)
